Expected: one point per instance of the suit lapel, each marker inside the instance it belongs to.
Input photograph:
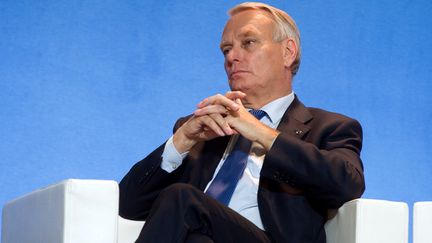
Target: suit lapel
(295, 118)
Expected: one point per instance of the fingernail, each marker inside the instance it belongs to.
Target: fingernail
(230, 132)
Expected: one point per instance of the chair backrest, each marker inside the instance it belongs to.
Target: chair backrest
(422, 222)
(369, 221)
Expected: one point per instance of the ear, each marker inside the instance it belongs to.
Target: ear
(289, 51)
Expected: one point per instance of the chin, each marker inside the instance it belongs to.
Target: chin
(238, 85)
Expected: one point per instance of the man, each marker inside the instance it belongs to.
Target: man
(299, 162)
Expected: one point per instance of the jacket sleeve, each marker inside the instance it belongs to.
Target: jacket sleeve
(143, 183)
(326, 166)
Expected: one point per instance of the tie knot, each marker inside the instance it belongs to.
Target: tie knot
(258, 113)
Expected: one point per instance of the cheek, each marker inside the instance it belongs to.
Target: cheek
(275, 62)
(226, 67)
(256, 61)
(262, 64)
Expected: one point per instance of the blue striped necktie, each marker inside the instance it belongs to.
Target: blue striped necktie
(223, 185)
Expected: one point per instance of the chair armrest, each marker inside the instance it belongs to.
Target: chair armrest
(369, 221)
(72, 211)
(422, 222)
(128, 230)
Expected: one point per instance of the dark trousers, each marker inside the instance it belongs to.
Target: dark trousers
(182, 213)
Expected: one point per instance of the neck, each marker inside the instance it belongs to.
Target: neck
(256, 102)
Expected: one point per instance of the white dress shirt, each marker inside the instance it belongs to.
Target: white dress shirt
(244, 200)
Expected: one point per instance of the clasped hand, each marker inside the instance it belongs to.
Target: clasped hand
(222, 115)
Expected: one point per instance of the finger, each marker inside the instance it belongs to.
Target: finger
(211, 109)
(219, 100)
(238, 101)
(211, 123)
(233, 95)
(222, 123)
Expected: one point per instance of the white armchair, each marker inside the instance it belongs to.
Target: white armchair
(422, 222)
(86, 211)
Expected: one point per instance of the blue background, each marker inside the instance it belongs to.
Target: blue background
(88, 88)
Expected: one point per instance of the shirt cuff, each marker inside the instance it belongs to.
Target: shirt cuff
(171, 158)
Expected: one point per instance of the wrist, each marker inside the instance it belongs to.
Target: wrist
(266, 137)
(182, 143)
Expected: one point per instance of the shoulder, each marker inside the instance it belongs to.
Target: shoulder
(324, 115)
(333, 124)
(316, 116)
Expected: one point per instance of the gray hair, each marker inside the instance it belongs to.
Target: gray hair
(285, 27)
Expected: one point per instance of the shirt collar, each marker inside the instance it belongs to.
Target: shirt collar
(277, 107)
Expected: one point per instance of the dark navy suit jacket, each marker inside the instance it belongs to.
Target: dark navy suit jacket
(314, 165)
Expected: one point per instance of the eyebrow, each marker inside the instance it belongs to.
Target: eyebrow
(224, 44)
(246, 33)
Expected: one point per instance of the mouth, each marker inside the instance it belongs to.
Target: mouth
(236, 73)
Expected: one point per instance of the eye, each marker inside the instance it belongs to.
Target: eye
(248, 42)
(225, 50)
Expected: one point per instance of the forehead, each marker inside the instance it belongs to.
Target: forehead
(248, 22)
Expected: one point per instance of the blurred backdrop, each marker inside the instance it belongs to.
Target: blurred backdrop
(88, 88)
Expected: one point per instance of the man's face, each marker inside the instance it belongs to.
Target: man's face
(254, 63)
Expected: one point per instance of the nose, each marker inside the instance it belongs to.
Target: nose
(233, 56)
